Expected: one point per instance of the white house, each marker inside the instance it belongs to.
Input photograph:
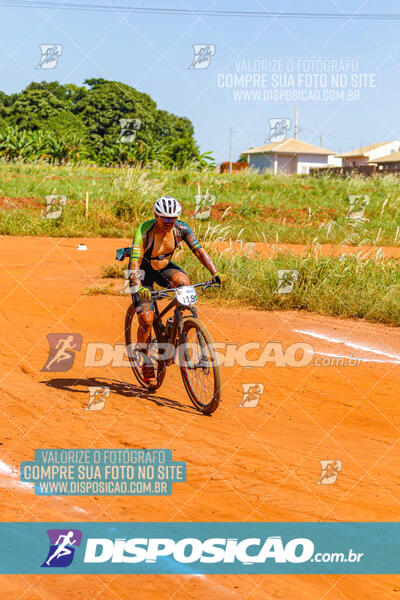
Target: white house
(367, 155)
(289, 156)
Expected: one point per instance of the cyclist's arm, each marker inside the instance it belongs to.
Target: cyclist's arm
(136, 258)
(199, 252)
(205, 260)
(137, 254)
(134, 274)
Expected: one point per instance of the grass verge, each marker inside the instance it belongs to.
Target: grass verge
(347, 286)
(248, 205)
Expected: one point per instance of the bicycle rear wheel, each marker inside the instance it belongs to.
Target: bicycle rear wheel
(199, 367)
(136, 358)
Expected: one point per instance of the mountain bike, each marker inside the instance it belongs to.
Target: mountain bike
(183, 339)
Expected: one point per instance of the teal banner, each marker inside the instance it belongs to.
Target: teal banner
(103, 472)
(199, 548)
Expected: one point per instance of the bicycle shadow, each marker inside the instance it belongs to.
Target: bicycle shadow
(118, 387)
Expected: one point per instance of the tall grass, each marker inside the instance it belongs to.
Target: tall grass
(251, 206)
(355, 287)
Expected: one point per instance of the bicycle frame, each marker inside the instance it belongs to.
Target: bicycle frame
(177, 312)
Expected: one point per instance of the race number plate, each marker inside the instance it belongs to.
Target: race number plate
(186, 295)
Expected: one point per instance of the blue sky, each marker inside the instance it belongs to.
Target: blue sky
(153, 53)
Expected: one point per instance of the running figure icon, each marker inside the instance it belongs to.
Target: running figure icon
(63, 543)
(62, 549)
(62, 354)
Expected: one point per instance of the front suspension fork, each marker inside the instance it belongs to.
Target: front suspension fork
(183, 340)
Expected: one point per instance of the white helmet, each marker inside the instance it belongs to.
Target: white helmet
(167, 206)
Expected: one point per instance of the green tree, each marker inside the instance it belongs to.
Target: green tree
(170, 127)
(84, 122)
(69, 93)
(106, 103)
(183, 150)
(32, 109)
(66, 123)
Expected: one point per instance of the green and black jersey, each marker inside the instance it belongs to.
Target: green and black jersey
(143, 239)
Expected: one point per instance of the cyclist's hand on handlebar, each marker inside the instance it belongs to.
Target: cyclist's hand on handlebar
(143, 292)
(219, 278)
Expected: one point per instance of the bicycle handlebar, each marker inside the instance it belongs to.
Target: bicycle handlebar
(164, 293)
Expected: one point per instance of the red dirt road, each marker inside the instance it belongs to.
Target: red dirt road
(243, 464)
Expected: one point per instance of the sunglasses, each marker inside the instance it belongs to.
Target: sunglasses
(168, 221)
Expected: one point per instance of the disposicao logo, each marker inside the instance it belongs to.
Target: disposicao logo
(62, 547)
(62, 351)
(190, 550)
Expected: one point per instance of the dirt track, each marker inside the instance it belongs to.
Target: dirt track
(243, 464)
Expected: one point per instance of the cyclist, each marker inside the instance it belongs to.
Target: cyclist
(154, 243)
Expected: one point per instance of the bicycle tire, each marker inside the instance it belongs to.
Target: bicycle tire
(161, 367)
(212, 405)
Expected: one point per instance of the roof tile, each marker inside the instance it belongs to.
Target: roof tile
(289, 146)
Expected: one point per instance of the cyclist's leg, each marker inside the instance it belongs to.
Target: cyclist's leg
(172, 276)
(145, 314)
(145, 309)
(145, 319)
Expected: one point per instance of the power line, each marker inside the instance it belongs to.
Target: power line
(326, 134)
(315, 133)
(195, 12)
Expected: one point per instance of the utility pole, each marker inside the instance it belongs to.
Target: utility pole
(320, 139)
(230, 150)
(296, 122)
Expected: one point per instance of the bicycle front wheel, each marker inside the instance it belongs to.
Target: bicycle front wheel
(199, 367)
(135, 357)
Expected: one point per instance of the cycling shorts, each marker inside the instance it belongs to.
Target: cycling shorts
(162, 277)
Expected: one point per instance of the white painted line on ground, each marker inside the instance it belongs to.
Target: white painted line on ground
(7, 470)
(350, 345)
